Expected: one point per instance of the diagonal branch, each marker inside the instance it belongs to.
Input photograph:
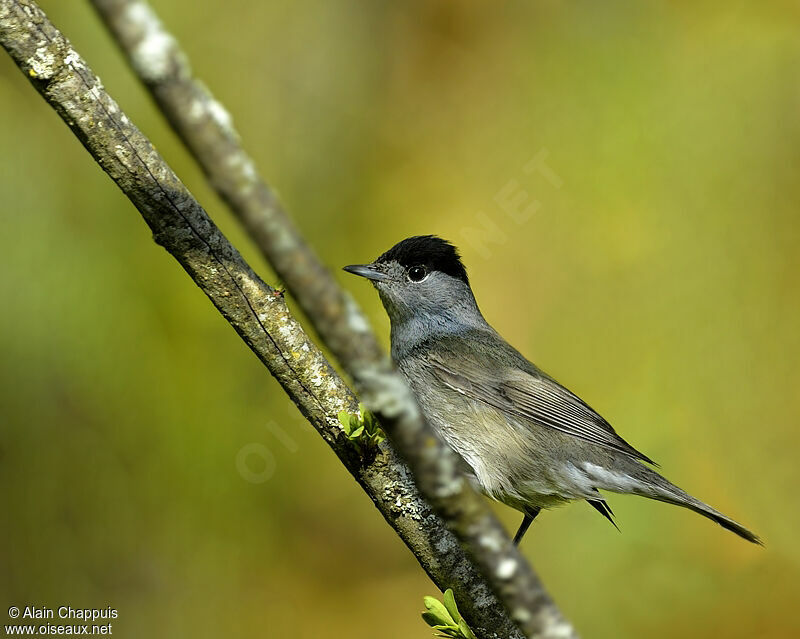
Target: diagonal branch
(207, 130)
(262, 320)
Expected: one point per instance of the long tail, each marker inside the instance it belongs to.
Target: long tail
(636, 478)
(663, 490)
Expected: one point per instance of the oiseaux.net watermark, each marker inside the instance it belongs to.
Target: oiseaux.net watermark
(512, 202)
(256, 461)
(40, 621)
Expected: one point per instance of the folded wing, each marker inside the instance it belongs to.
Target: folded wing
(529, 394)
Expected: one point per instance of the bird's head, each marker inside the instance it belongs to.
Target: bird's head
(422, 275)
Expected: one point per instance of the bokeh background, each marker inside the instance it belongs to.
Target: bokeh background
(654, 270)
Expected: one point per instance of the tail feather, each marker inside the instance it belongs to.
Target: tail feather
(714, 515)
(663, 490)
(636, 478)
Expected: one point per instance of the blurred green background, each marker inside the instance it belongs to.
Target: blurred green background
(655, 273)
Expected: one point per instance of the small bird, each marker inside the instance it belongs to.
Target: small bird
(527, 441)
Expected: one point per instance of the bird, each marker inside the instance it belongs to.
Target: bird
(522, 437)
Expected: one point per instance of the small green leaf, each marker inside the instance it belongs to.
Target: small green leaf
(344, 419)
(445, 619)
(357, 433)
(450, 604)
(464, 629)
(436, 608)
(430, 619)
(364, 431)
(434, 622)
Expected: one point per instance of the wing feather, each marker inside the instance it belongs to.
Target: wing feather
(531, 395)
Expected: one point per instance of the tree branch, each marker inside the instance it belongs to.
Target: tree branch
(262, 320)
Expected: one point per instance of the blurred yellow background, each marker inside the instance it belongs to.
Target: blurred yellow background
(652, 268)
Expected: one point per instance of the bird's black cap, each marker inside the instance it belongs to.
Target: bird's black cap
(430, 251)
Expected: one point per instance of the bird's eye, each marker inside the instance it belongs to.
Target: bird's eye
(417, 273)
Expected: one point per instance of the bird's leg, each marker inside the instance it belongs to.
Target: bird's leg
(527, 520)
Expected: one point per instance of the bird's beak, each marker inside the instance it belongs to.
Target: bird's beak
(367, 270)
